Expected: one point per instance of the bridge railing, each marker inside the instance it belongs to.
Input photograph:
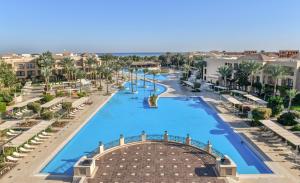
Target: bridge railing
(155, 137)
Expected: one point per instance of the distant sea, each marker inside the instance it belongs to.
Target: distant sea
(141, 54)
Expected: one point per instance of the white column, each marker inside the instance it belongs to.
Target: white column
(121, 140)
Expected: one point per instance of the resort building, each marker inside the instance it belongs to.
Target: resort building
(25, 65)
(291, 80)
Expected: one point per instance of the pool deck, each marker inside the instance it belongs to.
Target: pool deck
(27, 168)
(284, 171)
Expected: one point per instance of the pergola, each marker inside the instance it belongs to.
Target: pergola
(232, 100)
(25, 136)
(238, 92)
(220, 88)
(189, 83)
(53, 102)
(282, 132)
(80, 101)
(256, 99)
(23, 104)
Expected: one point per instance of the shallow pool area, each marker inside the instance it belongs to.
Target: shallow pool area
(129, 114)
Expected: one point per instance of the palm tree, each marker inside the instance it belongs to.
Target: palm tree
(67, 64)
(154, 73)
(291, 94)
(116, 68)
(145, 71)
(276, 71)
(199, 64)
(131, 78)
(107, 72)
(92, 62)
(100, 69)
(253, 68)
(225, 72)
(46, 73)
(186, 70)
(45, 61)
(80, 74)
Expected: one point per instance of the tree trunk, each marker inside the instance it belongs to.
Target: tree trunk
(275, 86)
(144, 80)
(225, 81)
(107, 86)
(154, 85)
(290, 104)
(251, 84)
(131, 81)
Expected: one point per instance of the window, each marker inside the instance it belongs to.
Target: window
(204, 71)
(30, 66)
(257, 79)
(236, 66)
(30, 73)
(20, 73)
(21, 66)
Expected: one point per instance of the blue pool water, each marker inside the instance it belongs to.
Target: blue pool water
(127, 114)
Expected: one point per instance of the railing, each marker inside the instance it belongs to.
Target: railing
(169, 138)
(198, 144)
(155, 137)
(111, 144)
(178, 139)
(131, 139)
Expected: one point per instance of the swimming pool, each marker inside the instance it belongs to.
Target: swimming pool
(127, 114)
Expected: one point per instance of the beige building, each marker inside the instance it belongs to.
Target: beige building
(25, 65)
(292, 79)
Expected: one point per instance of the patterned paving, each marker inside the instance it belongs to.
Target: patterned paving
(156, 163)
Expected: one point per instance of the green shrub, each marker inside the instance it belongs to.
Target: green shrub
(153, 99)
(288, 118)
(34, 106)
(197, 85)
(81, 94)
(60, 94)
(47, 98)
(5, 97)
(276, 104)
(2, 107)
(66, 106)
(296, 100)
(47, 115)
(296, 127)
(260, 113)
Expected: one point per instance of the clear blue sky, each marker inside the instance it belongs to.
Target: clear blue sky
(148, 25)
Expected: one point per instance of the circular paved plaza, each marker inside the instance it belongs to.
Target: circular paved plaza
(156, 163)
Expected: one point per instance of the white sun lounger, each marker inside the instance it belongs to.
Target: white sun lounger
(46, 134)
(22, 149)
(29, 146)
(42, 136)
(10, 158)
(18, 155)
(14, 132)
(19, 113)
(35, 142)
(10, 134)
(38, 139)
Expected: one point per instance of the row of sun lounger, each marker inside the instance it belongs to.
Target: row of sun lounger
(12, 133)
(275, 141)
(57, 107)
(28, 147)
(73, 113)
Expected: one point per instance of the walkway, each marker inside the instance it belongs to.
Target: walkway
(28, 167)
(156, 163)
